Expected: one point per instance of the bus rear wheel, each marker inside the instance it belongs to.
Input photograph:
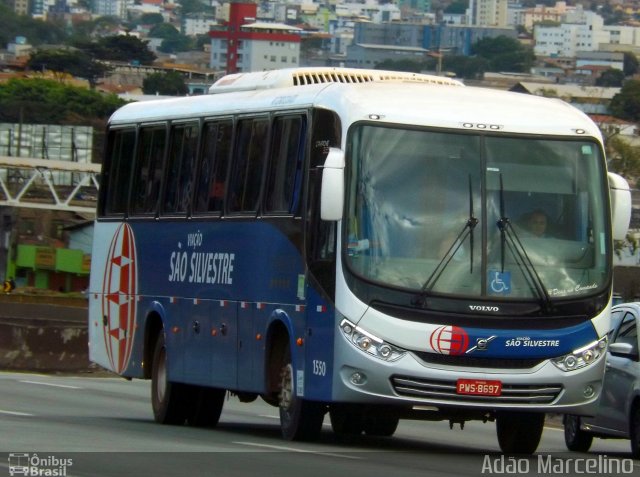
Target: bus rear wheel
(168, 399)
(519, 432)
(300, 420)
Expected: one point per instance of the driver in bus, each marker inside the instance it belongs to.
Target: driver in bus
(536, 223)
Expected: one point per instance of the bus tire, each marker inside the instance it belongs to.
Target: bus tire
(575, 438)
(346, 420)
(300, 419)
(168, 399)
(519, 432)
(205, 406)
(381, 424)
(634, 423)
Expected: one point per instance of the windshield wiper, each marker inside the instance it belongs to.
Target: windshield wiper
(467, 231)
(509, 237)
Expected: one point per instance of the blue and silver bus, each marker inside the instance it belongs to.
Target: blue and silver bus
(357, 243)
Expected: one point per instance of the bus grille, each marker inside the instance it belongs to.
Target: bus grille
(476, 362)
(446, 391)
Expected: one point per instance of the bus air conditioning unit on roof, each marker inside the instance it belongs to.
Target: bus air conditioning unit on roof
(306, 76)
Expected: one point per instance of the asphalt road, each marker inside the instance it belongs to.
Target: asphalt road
(82, 426)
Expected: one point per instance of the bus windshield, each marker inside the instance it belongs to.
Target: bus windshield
(477, 214)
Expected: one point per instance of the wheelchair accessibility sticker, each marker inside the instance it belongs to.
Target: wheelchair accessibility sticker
(499, 282)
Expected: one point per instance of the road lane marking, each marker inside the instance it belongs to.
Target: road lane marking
(294, 449)
(52, 384)
(15, 413)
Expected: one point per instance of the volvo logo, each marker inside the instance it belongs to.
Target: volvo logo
(482, 344)
(483, 308)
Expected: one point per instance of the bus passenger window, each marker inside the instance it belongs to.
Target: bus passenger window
(284, 177)
(148, 173)
(180, 164)
(116, 181)
(248, 165)
(216, 146)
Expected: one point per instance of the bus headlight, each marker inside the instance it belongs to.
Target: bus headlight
(582, 357)
(370, 344)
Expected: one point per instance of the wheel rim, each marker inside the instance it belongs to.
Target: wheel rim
(161, 376)
(286, 387)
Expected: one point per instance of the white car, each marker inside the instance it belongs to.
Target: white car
(618, 415)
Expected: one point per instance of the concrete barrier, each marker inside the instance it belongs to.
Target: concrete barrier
(42, 333)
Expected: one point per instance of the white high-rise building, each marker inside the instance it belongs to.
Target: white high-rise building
(569, 38)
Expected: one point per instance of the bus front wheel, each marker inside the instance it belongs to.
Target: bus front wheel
(300, 420)
(519, 432)
(167, 399)
(575, 438)
(205, 406)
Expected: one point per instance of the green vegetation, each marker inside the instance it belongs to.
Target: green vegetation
(44, 101)
(169, 83)
(68, 61)
(626, 104)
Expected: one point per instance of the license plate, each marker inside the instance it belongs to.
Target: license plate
(479, 387)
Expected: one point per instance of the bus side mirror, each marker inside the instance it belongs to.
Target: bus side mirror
(620, 205)
(332, 192)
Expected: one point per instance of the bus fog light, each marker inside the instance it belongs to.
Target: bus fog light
(588, 391)
(358, 378)
(582, 357)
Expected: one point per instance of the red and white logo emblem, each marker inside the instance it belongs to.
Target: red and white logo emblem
(451, 340)
(119, 289)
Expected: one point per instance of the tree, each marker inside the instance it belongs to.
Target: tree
(626, 104)
(164, 30)
(630, 64)
(457, 6)
(68, 61)
(465, 66)
(43, 101)
(35, 31)
(610, 78)
(168, 83)
(623, 157)
(151, 19)
(504, 54)
(177, 44)
(410, 66)
(126, 48)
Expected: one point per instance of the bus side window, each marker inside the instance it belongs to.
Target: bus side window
(285, 170)
(148, 173)
(115, 180)
(180, 164)
(248, 165)
(214, 163)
